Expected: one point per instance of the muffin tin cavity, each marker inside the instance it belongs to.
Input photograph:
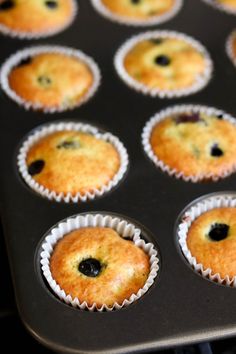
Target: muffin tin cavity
(74, 152)
(41, 65)
(205, 231)
(203, 137)
(92, 268)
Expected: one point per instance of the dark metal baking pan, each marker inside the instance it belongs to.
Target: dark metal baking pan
(181, 307)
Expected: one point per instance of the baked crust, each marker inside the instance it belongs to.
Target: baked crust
(186, 64)
(146, 9)
(52, 80)
(125, 267)
(216, 255)
(187, 146)
(83, 164)
(33, 16)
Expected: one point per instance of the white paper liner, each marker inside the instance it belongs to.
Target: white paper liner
(208, 203)
(229, 47)
(221, 7)
(179, 109)
(123, 228)
(201, 81)
(85, 128)
(16, 58)
(41, 34)
(154, 20)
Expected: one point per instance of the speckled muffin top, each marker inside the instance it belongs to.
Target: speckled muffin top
(51, 80)
(35, 16)
(211, 240)
(97, 265)
(165, 63)
(72, 162)
(139, 9)
(196, 144)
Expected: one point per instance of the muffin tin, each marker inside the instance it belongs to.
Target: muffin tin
(181, 307)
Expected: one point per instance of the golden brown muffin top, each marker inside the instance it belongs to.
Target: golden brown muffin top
(35, 16)
(165, 63)
(196, 144)
(139, 9)
(72, 162)
(228, 3)
(96, 265)
(51, 80)
(211, 240)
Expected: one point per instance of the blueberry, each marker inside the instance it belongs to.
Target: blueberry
(90, 267)
(216, 151)
(51, 4)
(220, 116)
(24, 61)
(69, 145)
(218, 232)
(156, 40)
(188, 118)
(162, 60)
(44, 81)
(135, 2)
(6, 5)
(36, 167)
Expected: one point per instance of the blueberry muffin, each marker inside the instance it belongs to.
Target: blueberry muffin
(211, 239)
(139, 9)
(195, 143)
(72, 162)
(165, 64)
(36, 17)
(51, 80)
(96, 265)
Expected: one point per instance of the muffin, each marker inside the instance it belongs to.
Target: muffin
(164, 64)
(193, 142)
(69, 161)
(225, 5)
(96, 265)
(50, 78)
(207, 236)
(212, 241)
(98, 262)
(137, 12)
(33, 18)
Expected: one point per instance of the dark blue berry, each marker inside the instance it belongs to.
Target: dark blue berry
(51, 4)
(157, 40)
(6, 5)
(135, 2)
(90, 267)
(162, 60)
(218, 232)
(36, 167)
(216, 151)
